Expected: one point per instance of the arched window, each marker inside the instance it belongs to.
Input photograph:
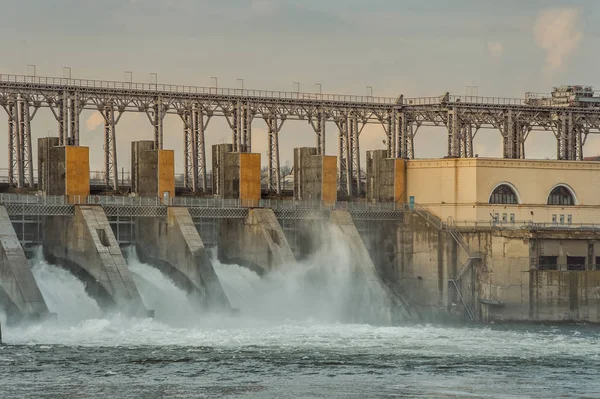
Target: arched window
(561, 195)
(504, 194)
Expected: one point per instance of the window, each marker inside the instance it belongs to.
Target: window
(554, 219)
(512, 218)
(561, 195)
(562, 219)
(575, 263)
(504, 194)
(548, 263)
(569, 219)
(504, 218)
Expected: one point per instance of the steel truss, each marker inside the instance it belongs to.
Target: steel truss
(400, 117)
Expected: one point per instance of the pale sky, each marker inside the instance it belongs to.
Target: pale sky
(417, 48)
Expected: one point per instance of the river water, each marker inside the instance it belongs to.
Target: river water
(288, 341)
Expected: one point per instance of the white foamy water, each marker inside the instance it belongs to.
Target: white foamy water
(171, 304)
(64, 294)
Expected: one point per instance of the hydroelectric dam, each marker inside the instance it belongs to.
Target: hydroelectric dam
(463, 239)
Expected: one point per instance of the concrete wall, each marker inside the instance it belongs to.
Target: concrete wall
(315, 176)
(85, 244)
(461, 188)
(565, 296)
(258, 242)
(218, 172)
(19, 293)
(153, 171)
(175, 247)
(44, 145)
(506, 286)
(386, 178)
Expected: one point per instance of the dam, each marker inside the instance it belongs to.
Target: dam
(461, 239)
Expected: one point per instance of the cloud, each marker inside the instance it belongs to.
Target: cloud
(94, 121)
(496, 49)
(557, 31)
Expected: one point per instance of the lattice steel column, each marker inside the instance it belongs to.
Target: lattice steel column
(391, 130)
(319, 129)
(25, 155)
(246, 128)
(343, 155)
(14, 145)
(565, 135)
(111, 175)
(403, 135)
(159, 113)
(453, 134)
(354, 149)
(63, 118)
(188, 151)
(234, 123)
(273, 171)
(74, 112)
(466, 138)
(199, 127)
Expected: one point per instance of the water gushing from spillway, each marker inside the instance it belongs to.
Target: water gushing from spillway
(64, 294)
(171, 304)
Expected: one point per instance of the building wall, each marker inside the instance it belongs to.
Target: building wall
(460, 188)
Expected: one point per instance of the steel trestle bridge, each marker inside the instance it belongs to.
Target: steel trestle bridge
(462, 116)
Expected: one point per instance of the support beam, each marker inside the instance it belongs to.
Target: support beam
(454, 134)
(189, 180)
(14, 144)
(74, 112)
(273, 171)
(25, 161)
(199, 124)
(111, 175)
(343, 155)
(158, 116)
(319, 128)
(354, 150)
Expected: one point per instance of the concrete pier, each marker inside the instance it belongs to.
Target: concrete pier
(174, 246)
(257, 242)
(19, 293)
(85, 245)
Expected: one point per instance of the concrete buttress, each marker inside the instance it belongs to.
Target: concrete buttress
(21, 296)
(174, 246)
(85, 244)
(258, 242)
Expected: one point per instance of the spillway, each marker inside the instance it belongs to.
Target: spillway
(171, 304)
(64, 294)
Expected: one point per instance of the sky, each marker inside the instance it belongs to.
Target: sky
(415, 48)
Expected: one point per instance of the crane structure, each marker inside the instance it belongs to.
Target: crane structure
(22, 96)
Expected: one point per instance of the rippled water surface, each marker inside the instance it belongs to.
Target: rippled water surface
(184, 353)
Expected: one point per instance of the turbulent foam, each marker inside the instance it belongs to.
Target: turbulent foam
(64, 294)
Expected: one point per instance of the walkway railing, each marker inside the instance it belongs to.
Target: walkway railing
(193, 202)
